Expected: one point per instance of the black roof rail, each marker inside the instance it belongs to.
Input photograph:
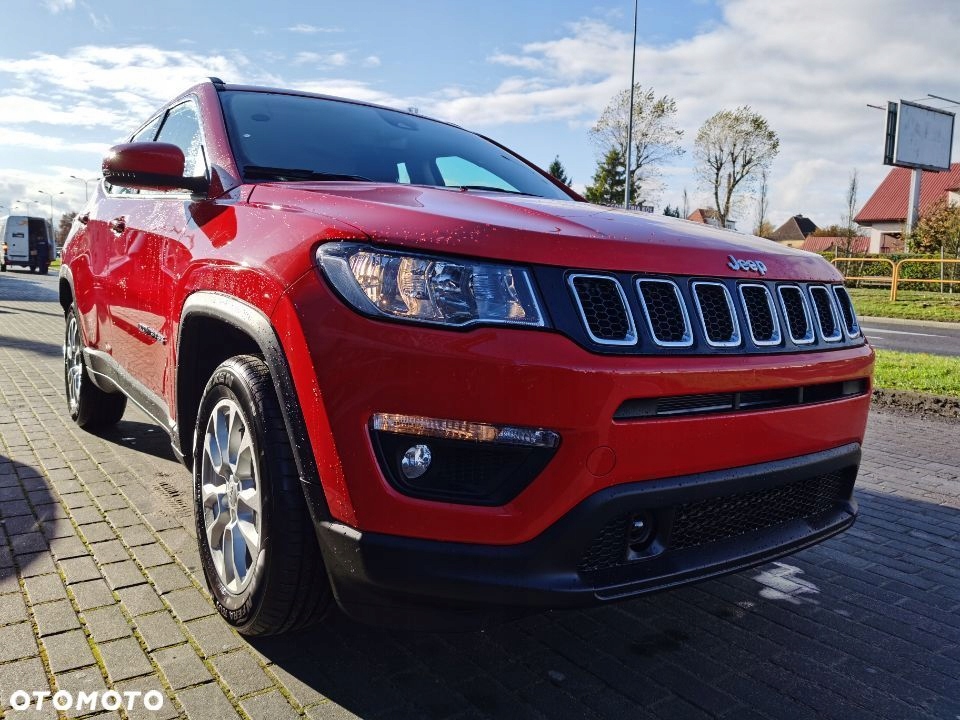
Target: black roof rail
(217, 83)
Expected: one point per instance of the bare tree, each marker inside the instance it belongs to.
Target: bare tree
(852, 229)
(763, 205)
(686, 204)
(731, 149)
(656, 139)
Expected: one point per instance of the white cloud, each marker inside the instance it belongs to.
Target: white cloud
(306, 29)
(371, 61)
(337, 59)
(48, 143)
(814, 92)
(56, 6)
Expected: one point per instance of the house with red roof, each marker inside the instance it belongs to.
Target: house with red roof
(825, 243)
(885, 213)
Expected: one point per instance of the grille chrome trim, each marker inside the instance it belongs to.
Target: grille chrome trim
(687, 340)
(837, 335)
(852, 325)
(775, 321)
(631, 337)
(734, 340)
(809, 337)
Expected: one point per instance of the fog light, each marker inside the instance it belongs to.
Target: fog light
(416, 461)
(459, 461)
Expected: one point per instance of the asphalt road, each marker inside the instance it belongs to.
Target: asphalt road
(941, 339)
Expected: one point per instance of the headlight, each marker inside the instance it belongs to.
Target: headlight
(445, 291)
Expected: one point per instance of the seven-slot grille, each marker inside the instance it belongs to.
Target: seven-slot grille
(728, 314)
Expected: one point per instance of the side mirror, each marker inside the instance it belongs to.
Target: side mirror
(150, 166)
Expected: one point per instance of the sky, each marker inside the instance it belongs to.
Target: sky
(77, 76)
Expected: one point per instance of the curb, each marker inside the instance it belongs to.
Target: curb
(917, 403)
(902, 321)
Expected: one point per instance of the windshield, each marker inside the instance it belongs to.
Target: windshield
(292, 137)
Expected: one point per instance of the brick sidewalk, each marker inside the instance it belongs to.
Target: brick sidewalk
(99, 589)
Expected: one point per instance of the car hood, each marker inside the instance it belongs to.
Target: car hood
(533, 230)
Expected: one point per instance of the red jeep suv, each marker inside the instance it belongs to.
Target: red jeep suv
(412, 373)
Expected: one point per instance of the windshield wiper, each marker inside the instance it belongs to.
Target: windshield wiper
(275, 173)
(489, 188)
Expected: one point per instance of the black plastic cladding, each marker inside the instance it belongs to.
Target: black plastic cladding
(562, 306)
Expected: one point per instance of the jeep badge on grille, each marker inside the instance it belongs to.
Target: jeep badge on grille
(746, 265)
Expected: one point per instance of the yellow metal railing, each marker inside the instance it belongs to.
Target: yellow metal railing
(885, 279)
(895, 277)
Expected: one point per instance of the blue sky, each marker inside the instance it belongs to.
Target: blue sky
(77, 75)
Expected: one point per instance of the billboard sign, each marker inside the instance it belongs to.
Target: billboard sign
(918, 136)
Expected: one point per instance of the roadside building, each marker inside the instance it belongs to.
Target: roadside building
(857, 245)
(794, 231)
(708, 216)
(885, 213)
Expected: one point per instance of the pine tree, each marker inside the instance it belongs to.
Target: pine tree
(558, 171)
(609, 181)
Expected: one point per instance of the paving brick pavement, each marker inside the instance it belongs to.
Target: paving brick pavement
(99, 588)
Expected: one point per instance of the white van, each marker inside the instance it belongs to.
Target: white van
(29, 242)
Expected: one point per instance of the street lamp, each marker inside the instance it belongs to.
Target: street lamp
(86, 187)
(633, 73)
(50, 195)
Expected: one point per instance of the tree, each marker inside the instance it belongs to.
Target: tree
(63, 229)
(938, 228)
(765, 229)
(763, 205)
(671, 212)
(609, 181)
(656, 139)
(851, 229)
(558, 171)
(686, 204)
(732, 149)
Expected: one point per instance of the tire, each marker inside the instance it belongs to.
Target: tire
(89, 406)
(254, 504)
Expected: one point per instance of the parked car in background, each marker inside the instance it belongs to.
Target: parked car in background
(30, 242)
(414, 375)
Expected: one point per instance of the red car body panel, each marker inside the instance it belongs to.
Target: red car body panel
(513, 378)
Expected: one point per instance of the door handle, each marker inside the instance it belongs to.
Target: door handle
(118, 225)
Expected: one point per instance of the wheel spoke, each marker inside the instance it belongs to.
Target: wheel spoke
(251, 538)
(250, 499)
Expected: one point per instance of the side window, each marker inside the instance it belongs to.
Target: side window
(182, 128)
(456, 171)
(149, 131)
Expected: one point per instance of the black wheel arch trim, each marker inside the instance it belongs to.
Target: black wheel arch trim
(254, 323)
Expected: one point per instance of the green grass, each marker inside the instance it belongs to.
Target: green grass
(918, 372)
(910, 305)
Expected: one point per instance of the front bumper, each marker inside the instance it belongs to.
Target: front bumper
(582, 559)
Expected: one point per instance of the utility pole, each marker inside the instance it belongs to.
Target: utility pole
(633, 72)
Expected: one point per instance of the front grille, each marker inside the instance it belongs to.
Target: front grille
(826, 317)
(761, 315)
(723, 518)
(679, 405)
(718, 519)
(621, 313)
(666, 314)
(717, 316)
(603, 307)
(798, 317)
